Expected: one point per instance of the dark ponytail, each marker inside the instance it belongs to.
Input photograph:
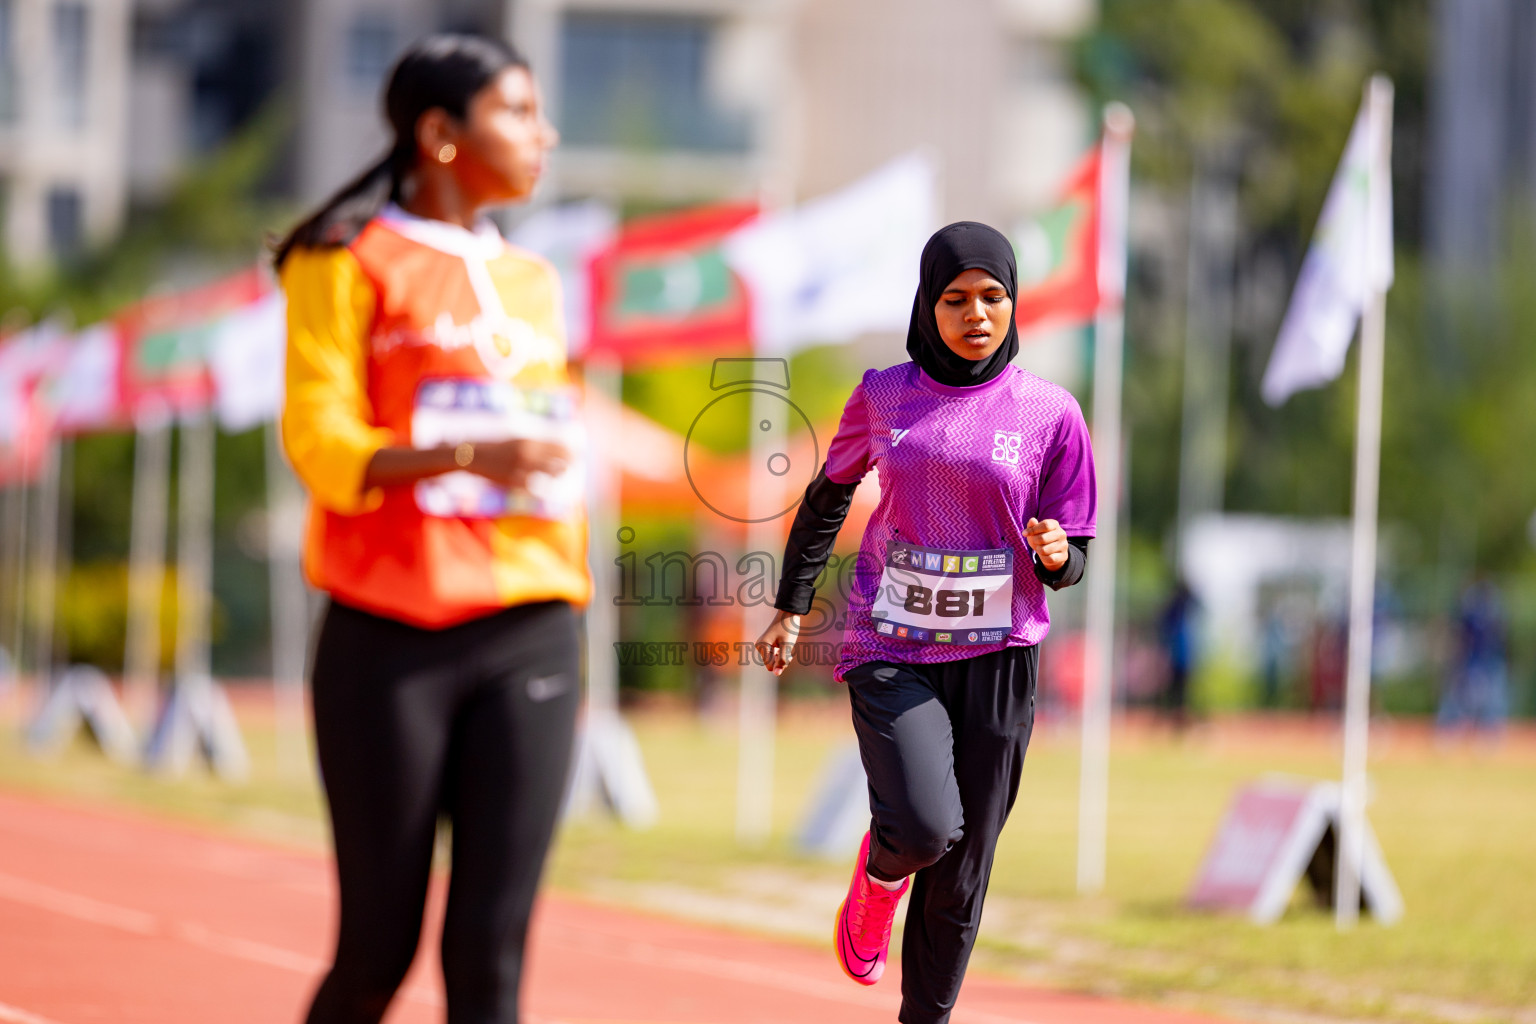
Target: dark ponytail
(439, 71)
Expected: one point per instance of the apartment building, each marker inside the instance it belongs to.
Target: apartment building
(63, 87)
(669, 100)
(342, 51)
(660, 102)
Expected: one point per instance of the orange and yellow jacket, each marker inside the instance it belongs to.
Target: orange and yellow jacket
(413, 305)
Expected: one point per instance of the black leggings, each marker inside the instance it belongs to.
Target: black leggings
(943, 746)
(473, 722)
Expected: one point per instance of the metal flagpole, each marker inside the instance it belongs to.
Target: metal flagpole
(759, 689)
(610, 765)
(146, 561)
(45, 568)
(196, 716)
(10, 533)
(20, 587)
(603, 378)
(194, 548)
(1362, 572)
(1207, 340)
(1109, 334)
(289, 601)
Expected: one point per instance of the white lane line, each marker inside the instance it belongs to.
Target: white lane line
(245, 949)
(83, 908)
(734, 970)
(283, 959)
(16, 1015)
(138, 922)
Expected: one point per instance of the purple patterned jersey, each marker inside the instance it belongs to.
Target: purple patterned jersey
(961, 468)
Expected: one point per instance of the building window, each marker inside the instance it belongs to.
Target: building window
(66, 232)
(371, 49)
(71, 60)
(640, 81)
(9, 101)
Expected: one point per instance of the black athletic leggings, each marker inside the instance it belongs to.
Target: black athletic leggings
(473, 722)
(943, 747)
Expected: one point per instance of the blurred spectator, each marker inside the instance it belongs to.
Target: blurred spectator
(1274, 655)
(1178, 628)
(1330, 661)
(717, 632)
(1477, 691)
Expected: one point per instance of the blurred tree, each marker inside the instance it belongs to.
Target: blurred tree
(1273, 86)
(1269, 89)
(213, 222)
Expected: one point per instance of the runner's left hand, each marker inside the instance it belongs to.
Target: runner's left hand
(777, 644)
(1048, 541)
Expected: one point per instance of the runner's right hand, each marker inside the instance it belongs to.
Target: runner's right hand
(777, 644)
(509, 463)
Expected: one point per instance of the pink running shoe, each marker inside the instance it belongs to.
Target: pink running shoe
(864, 923)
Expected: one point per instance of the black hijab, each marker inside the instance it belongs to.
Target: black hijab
(964, 245)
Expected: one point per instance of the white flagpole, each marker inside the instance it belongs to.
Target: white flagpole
(1109, 335)
(1362, 574)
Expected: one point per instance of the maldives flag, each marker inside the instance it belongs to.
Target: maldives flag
(166, 341)
(1058, 254)
(664, 287)
(26, 360)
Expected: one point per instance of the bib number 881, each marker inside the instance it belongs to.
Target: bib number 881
(951, 604)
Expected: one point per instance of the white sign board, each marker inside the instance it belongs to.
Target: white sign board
(1276, 831)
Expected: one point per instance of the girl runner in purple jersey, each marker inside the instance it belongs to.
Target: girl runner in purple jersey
(986, 498)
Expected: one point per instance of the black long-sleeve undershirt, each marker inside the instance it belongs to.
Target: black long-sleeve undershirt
(815, 529)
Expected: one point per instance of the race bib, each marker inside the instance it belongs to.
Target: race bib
(945, 597)
(452, 410)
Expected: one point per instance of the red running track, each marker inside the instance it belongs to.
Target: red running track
(106, 916)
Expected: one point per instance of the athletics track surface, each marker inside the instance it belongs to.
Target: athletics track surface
(109, 917)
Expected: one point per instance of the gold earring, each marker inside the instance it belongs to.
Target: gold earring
(447, 153)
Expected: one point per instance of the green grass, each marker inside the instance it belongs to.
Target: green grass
(1458, 827)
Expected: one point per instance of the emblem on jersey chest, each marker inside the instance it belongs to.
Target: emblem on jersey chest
(1007, 446)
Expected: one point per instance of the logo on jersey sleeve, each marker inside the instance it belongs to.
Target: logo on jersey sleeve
(897, 434)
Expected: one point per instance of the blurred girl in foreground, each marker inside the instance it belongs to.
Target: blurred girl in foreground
(425, 396)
